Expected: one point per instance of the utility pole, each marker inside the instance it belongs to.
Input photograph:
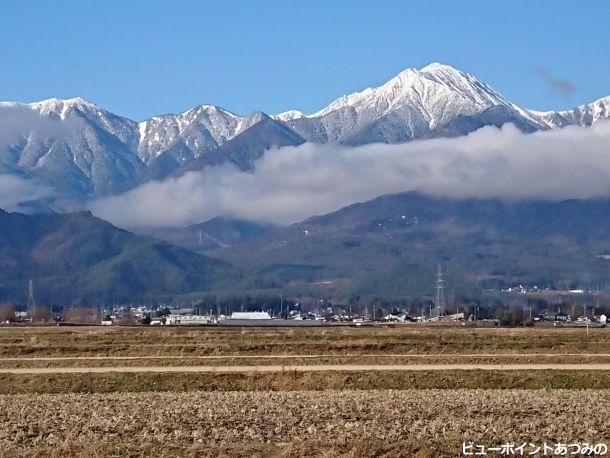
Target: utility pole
(584, 307)
(587, 321)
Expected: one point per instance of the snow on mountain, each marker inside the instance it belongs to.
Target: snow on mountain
(288, 115)
(53, 107)
(78, 108)
(583, 115)
(88, 151)
(84, 150)
(423, 89)
(406, 107)
(245, 148)
(200, 129)
(61, 108)
(72, 145)
(167, 143)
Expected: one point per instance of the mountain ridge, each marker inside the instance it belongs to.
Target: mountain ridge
(391, 246)
(76, 258)
(88, 152)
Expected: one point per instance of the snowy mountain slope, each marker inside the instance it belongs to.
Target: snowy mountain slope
(72, 145)
(243, 149)
(87, 151)
(122, 128)
(408, 106)
(583, 115)
(172, 141)
(497, 116)
(200, 129)
(437, 100)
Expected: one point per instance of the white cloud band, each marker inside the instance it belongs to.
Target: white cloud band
(292, 183)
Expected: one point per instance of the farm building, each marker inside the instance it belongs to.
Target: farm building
(250, 316)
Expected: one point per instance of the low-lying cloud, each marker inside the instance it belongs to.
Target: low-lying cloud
(16, 192)
(290, 184)
(17, 122)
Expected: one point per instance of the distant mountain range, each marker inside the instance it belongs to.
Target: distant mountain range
(85, 151)
(390, 246)
(218, 232)
(79, 259)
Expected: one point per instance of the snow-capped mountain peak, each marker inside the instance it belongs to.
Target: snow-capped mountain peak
(586, 114)
(56, 107)
(61, 107)
(435, 67)
(193, 132)
(415, 85)
(288, 115)
(83, 147)
(414, 102)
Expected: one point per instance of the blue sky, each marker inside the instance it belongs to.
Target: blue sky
(140, 58)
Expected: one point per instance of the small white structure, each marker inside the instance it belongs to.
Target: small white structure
(250, 316)
(106, 322)
(188, 319)
(395, 318)
(603, 319)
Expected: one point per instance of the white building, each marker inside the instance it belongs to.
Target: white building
(188, 319)
(250, 316)
(395, 318)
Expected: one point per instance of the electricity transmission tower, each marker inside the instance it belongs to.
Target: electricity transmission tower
(439, 302)
(31, 300)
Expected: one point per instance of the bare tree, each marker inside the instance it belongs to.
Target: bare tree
(128, 319)
(83, 315)
(40, 313)
(7, 312)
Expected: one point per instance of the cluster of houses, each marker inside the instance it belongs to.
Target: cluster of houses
(178, 317)
(302, 318)
(125, 315)
(404, 318)
(566, 319)
(521, 289)
(294, 317)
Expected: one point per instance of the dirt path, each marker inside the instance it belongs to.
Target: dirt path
(278, 356)
(312, 368)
